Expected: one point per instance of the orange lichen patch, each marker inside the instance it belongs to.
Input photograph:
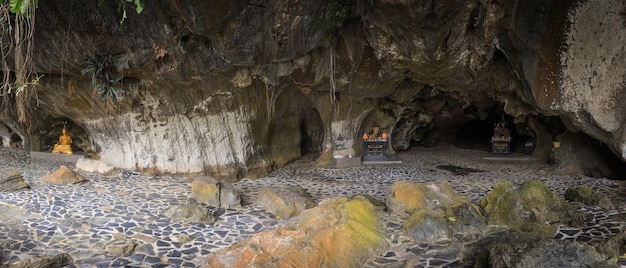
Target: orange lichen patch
(338, 233)
(409, 195)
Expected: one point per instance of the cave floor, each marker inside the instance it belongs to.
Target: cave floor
(91, 220)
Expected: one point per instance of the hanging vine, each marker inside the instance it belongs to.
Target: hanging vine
(17, 30)
(338, 12)
(17, 20)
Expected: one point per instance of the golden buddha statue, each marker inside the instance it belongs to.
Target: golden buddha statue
(64, 146)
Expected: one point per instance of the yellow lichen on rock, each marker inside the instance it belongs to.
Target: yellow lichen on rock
(338, 233)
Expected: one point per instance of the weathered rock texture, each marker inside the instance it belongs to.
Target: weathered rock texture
(579, 154)
(592, 75)
(433, 211)
(63, 175)
(11, 180)
(95, 166)
(337, 233)
(284, 201)
(192, 212)
(543, 253)
(234, 88)
(528, 207)
(59, 260)
(587, 196)
(121, 247)
(209, 191)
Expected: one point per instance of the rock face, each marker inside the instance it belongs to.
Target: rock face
(529, 207)
(434, 212)
(284, 201)
(11, 180)
(337, 233)
(63, 175)
(592, 83)
(579, 154)
(233, 89)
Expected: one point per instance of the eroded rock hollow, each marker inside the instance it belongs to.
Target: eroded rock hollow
(235, 88)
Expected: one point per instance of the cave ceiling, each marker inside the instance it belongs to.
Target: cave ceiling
(188, 65)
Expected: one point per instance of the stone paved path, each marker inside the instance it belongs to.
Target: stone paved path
(91, 220)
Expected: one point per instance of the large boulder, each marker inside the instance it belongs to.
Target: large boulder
(45, 261)
(284, 201)
(433, 211)
(63, 175)
(543, 253)
(210, 191)
(192, 212)
(338, 233)
(11, 180)
(587, 196)
(529, 206)
(404, 198)
(229, 196)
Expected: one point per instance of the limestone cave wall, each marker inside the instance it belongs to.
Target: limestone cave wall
(236, 88)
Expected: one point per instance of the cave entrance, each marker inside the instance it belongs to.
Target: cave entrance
(311, 132)
(8, 138)
(50, 135)
(16, 141)
(476, 134)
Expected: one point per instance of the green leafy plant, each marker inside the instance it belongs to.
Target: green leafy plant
(17, 27)
(103, 79)
(27, 7)
(338, 12)
(121, 7)
(24, 7)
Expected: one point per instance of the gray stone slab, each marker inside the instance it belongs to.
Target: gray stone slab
(56, 157)
(346, 162)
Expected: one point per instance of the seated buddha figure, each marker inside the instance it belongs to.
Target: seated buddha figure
(63, 146)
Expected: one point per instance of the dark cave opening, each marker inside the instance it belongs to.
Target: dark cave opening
(51, 136)
(476, 134)
(306, 143)
(311, 133)
(15, 141)
(10, 138)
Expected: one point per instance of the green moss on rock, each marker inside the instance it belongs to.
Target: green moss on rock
(587, 196)
(523, 206)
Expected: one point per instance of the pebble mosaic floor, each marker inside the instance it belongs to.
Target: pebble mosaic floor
(88, 219)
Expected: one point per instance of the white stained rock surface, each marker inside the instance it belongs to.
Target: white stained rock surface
(179, 144)
(593, 76)
(95, 166)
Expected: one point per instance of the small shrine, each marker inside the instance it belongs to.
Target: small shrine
(64, 145)
(343, 154)
(501, 140)
(374, 144)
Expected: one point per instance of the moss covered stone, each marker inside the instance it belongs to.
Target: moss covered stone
(523, 206)
(587, 196)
